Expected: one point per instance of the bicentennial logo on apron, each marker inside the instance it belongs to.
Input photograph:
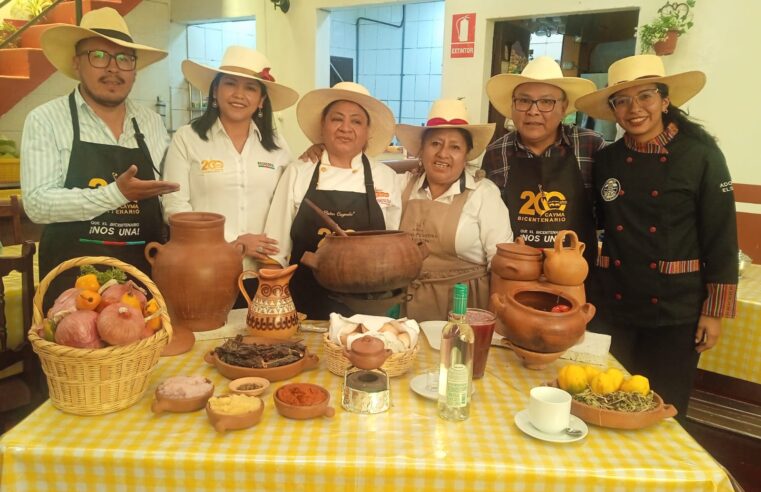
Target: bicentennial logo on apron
(545, 208)
(125, 230)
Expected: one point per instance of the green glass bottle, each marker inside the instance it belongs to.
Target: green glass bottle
(456, 369)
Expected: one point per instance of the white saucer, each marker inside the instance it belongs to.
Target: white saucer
(521, 420)
(418, 385)
(432, 330)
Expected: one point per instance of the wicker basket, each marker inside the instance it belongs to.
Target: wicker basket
(396, 365)
(105, 380)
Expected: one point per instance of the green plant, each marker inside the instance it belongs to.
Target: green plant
(675, 17)
(29, 9)
(6, 30)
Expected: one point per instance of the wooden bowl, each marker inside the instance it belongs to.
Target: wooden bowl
(279, 373)
(223, 422)
(235, 386)
(163, 403)
(304, 412)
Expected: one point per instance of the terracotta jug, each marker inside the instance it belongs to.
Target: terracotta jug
(517, 261)
(565, 266)
(196, 272)
(271, 313)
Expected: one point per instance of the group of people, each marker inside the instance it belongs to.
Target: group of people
(93, 170)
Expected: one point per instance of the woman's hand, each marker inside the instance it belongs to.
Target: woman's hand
(313, 153)
(708, 332)
(258, 246)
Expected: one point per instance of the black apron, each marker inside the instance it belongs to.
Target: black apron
(92, 165)
(546, 195)
(358, 212)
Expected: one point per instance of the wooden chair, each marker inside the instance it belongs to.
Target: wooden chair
(11, 209)
(22, 392)
(748, 223)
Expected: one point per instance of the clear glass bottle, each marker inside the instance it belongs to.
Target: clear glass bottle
(456, 369)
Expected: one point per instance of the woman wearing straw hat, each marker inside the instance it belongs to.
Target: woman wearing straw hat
(668, 266)
(358, 193)
(230, 159)
(460, 218)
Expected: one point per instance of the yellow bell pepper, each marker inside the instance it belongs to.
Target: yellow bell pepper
(591, 371)
(617, 375)
(572, 378)
(636, 384)
(603, 383)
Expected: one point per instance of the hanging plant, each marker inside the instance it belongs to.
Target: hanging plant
(674, 19)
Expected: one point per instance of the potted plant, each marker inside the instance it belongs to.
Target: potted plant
(29, 9)
(6, 31)
(674, 19)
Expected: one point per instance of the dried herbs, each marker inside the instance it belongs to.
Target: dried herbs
(260, 356)
(619, 401)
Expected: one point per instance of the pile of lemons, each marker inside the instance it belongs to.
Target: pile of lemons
(576, 378)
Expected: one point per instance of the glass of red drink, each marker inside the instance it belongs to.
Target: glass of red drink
(482, 322)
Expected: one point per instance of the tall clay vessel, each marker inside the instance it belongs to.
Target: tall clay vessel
(271, 313)
(196, 271)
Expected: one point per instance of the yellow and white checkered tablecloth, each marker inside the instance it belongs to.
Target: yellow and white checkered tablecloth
(737, 354)
(405, 449)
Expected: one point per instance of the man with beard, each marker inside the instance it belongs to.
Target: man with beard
(88, 159)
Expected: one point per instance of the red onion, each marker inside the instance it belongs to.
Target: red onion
(79, 329)
(64, 302)
(120, 324)
(114, 294)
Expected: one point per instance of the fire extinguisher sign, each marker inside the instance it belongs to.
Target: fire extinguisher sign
(463, 35)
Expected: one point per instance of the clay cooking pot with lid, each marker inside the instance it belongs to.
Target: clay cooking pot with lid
(366, 261)
(517, 261)
(367, 353)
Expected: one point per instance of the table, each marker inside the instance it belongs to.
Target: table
(13, 314)
(737, 354)
(405, 449)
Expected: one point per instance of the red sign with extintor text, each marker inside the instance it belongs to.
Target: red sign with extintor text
(463, 35)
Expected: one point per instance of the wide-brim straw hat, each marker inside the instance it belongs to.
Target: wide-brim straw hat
(58, 43)
(310, 107)
(242, 62)
(446, 113)
(640, 70)
(543, 70)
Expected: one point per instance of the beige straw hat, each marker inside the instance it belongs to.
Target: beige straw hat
(640, 70)
(542, 69)
(242, 62)
(58, 43)
(309, 114)
(446, 113)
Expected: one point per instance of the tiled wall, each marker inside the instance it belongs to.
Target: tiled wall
(205, 44)
(400, 66)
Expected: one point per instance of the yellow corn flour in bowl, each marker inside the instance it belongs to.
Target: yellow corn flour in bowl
(234, 404)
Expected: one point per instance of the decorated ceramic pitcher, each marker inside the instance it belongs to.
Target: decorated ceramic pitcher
(271, 313)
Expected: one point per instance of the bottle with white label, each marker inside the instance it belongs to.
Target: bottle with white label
(456, 369)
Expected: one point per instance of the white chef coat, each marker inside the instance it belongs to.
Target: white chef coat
(214, 177)
(484, 221)
(295, 182)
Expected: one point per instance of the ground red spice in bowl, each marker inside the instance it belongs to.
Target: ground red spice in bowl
(300, 394)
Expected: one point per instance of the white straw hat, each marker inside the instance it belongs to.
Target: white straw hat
(309, 114)
(446, 113)
(640, 70)
(542, 70)
(242, 62)
(58, 43)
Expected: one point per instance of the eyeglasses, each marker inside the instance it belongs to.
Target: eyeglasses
(544, 105)
(644, 98)
(102, 59)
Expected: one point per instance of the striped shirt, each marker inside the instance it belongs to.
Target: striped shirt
(46, 147)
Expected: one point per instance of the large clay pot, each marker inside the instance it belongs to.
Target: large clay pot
(271, 313)
(366, 261)
(565, 266)
(528, 321)
(517, 261)
(196, 271)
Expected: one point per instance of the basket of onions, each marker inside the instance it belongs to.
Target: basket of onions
(99, 343)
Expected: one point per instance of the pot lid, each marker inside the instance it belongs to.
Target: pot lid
(519, 249)
(367, 345)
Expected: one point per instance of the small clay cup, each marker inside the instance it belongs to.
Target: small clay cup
(367, 353)
(165, 404)
(304, 412)
(222, 422)
(236, 384)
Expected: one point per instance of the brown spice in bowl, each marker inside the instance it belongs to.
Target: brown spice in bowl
(301, 394)
(249, 386)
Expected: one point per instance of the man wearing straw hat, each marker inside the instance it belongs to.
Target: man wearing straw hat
(88, 158)
(543, 167)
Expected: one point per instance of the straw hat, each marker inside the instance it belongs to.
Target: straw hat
(58, 43)
(446, 113)
(543, 70)
(242, 62)
(640, 70)
(309, 114)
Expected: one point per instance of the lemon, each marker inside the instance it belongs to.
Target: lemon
(617, 375)
(591, 371)
(572, 378)
(636, 384)
(603, 383)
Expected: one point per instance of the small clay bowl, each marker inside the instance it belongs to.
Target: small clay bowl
(223, 422)
(235, 386)
(532, 360)
(304, 412)
(163, 403)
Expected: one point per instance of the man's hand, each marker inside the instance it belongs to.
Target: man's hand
(708, 332)
(258, 246)
(135, 189)
(313, 153)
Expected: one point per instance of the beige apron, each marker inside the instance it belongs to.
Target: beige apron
(435, 223)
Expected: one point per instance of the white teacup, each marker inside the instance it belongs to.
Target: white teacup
(549, 409)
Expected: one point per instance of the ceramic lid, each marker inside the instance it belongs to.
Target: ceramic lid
(519, 249)
(367, 346)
